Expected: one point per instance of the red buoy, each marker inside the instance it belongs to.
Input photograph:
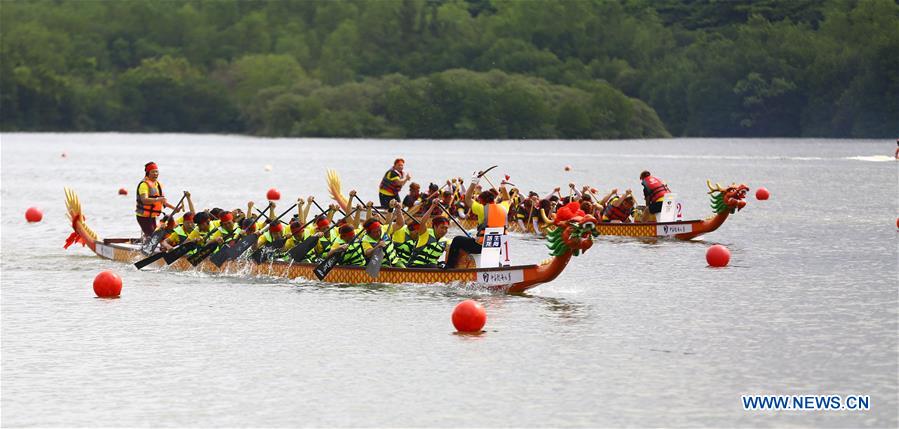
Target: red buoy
(717, 256)
(762, 194)
(469, 316)
(123, 191)
(273, 195)
(33, 214)
(107, 284)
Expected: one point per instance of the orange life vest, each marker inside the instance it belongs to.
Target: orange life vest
(153, 209)
(494, 217)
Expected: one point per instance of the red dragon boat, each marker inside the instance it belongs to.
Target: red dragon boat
(725, 201)
(574, 234)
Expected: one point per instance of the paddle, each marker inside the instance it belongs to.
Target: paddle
(248, 241)
(452, 218)
(321, 270)
(173, 255)
(236, 250)
(162, 233)
(298, 252)
(229, 251)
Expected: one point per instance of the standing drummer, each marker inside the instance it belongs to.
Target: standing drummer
(150, 199)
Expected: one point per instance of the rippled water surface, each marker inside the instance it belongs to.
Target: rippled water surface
(631, 334)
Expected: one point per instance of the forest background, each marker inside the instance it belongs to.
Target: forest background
(570, 69)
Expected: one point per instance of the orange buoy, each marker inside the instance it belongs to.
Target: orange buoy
(469, 316)
(273, 195)
(897, 222)
(762, 194)
(717, 256)
(33, 214)
(123, 191)
(107, 284)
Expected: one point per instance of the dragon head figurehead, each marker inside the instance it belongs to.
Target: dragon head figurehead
(728, 199)
(574, 233)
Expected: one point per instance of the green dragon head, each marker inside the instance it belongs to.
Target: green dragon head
(573, 235)
(727, 199)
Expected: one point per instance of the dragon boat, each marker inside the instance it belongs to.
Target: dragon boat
(725, 201)
(573, 235)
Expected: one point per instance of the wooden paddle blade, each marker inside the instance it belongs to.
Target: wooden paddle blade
(147, 261)
(298, 253)
(373, 268)
(173, 255)
(321, 270)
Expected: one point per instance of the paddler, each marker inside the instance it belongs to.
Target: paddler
(376, 237)
(490, 214)
(619, 208)
(654, 191)
(392, 182)
(227, 230)
(180, 233)
(203, 230)
(435, 244)
(352, 253)
(150, 199)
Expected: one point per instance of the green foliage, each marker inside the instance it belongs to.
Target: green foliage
(453, 68)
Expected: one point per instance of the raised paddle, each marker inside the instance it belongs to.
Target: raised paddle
(298, 252)
(236, 250)
(162, 233)
(230, 251)
(452, 218)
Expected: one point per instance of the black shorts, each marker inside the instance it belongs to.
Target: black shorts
(655, 207)
(385, 200)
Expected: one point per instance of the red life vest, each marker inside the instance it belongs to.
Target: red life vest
(390, 187)
(655, 188)
(611, 212)
(152, 209)
(494, 217)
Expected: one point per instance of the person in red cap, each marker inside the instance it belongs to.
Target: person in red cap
(181, 232)
(350, 247)
(150, 199)
(227, 230)
(376, 237)
(326, 235)
(274, 233)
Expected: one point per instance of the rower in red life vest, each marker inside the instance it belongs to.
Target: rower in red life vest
(150, 199)
(654, 190)
(619, 208)
(490, 214)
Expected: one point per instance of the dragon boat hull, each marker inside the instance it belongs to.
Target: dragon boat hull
(683, 230)
(512, 279)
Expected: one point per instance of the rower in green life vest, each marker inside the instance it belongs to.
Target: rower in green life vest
(227, 230)
(180, 232)
(351, 248)
(202, 232)
(428, 255)
(376, 237)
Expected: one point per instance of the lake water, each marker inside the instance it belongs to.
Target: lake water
(631, 334)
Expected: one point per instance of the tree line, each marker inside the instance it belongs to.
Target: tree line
(574, 69)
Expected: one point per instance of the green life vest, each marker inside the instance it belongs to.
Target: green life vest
(429, 254)
(391, 259)
(353, 254)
